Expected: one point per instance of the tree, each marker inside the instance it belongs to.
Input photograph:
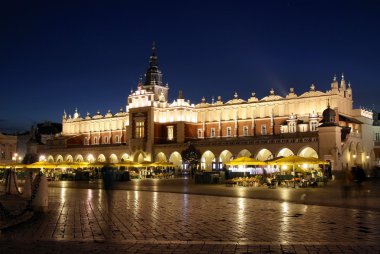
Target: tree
(191, 155)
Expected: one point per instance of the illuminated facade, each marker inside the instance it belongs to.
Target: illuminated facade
(151, 128)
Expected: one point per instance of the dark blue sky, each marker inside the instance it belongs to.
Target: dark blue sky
(58, 55)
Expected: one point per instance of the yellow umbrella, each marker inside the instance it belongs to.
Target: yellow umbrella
(245, 161)
(162, 164)
(13, 165)
(128, 164)
(145, 163)
(295, 160)
(42, 164)
(317, 161)
(67, 165)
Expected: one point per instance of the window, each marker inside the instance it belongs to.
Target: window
(140, 131)
(228, 131)
(85, 141)
(95, 140)
(313, 126)
(170, 132)
(377, 137)
(106, 140)
(263, 129)
(292, 127)
(2, 155)
(199, 133)
(117, 139)
(212, 133)
(245, 131)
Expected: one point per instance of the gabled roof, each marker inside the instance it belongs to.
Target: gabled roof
(348, 119)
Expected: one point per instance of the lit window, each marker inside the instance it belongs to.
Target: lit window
(377, 136)
(106, 140)
(245, 131)
(85, 141)
(170, 132)
(140, 131)
(117, 139)
(228, 131)
(263, 129)
(212, 133)
(199, 133)
(95, 140)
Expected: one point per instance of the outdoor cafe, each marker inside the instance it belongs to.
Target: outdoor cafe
(292, 171)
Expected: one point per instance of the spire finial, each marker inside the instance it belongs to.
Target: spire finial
(328, 103)
(342, 76)
(153, 48)
(334, 79)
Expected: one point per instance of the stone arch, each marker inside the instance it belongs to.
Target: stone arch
(284, 152)
(359, 154)
(90, 158)
(78, 158)
(139, 157)
(264, 154)
(124, 157)
(176, 159)
(160, 157)
(244, 153)
(225, 156)
(59, 158)
(207, 159)
(352, 147)
(69, 158)
(308, 152)
(101, 158)
(50, 158)
(113, 158)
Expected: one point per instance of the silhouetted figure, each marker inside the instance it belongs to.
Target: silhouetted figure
(346, 184)
(192, 172)
(359, 177)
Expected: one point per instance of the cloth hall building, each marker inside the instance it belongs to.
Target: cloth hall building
(313, 123)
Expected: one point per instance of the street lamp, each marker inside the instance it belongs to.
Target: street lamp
(14, 157)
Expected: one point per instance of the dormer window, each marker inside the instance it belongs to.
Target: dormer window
(292, 127)
(313, 125)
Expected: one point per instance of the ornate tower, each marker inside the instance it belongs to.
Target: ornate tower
(153, 78)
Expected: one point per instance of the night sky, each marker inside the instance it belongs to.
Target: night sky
(59, 55)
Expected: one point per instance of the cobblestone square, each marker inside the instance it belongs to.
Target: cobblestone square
(126, 221)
